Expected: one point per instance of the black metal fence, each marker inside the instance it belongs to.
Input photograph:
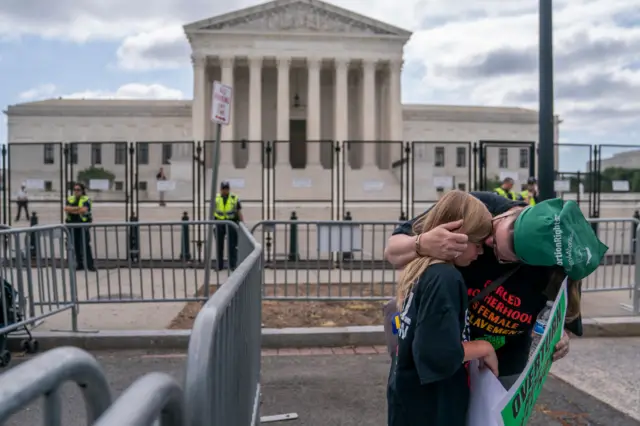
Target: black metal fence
(166, 180)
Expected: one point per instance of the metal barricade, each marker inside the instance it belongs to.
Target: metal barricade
(44, 375)
(37, 271)
(223, 365)
(156, 396)
(619, 268)
(326, 260)
(146, 262)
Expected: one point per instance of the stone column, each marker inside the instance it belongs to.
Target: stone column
(255, 108)
(198, 108)
(313, 111)
(208, 124)
(395, 102)
(341, 100)
(284, 68)
(368, 109)
(227, 66)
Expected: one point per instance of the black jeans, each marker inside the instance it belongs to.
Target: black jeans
(22, 205)
(221, 231)
(82, 248)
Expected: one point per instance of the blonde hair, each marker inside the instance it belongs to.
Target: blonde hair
(454, 205)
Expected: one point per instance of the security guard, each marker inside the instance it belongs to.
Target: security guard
(227, 208)
(78, 210)
(505, 189)
(530, 195)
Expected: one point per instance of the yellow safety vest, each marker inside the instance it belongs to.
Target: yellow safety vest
(524, 194)
(226, 211)
(508, 195)
(87, 217)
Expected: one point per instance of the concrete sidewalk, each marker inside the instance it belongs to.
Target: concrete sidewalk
(341, 390)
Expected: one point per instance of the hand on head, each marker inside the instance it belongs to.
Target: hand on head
(442, 242)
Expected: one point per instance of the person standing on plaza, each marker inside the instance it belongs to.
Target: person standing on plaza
(79, 211)
(530, 194)
(228, 208)
(506, 189)
(161, 177)
(23, 203)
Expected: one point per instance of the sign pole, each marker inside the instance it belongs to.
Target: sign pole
(220, 114)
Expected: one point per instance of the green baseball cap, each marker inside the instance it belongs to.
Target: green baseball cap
(555, 232)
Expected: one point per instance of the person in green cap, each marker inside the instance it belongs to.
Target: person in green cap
(532, 250)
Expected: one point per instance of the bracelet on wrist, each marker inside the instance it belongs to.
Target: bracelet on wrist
(417, 243)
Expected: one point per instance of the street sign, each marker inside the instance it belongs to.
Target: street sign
(221, 103)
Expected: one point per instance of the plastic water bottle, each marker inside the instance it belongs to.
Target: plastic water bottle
(540, 326)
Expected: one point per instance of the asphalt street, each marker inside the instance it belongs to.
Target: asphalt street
(346, 390)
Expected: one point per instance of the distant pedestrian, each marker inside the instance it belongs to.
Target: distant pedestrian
(161, 177)
(79, 211)
(227, 208)
(23, 203)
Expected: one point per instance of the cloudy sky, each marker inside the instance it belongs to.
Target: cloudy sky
(480, 53)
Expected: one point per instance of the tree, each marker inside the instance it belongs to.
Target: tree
(95, 173)
(492, 183)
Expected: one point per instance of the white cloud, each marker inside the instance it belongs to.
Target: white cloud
(127, 91)
(130, 91)
(40, 92)
(162, 48)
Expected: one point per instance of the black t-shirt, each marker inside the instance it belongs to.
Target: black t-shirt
(505, 317)
(428, 381)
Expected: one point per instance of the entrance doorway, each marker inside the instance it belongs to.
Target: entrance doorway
(298, 144)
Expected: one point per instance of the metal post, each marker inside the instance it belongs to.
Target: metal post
(33, 221)
(208, 249)
(185, 248)
(293, 238)
(546, 118)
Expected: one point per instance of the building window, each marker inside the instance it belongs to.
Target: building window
(461, 156)
(503, 158)
(439, 157)
(72, 154)
(462, 186)
(167, 150)
(143, 152)
(120, 154)
(524, 158)
(48, 186)
(142, 186)
(49, 153)
(96, 154)
(118, 185)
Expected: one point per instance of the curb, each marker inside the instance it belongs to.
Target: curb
(272, 338)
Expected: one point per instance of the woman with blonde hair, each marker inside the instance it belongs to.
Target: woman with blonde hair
(428, 383)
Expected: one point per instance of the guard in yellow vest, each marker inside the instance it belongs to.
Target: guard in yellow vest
(78, 210)
(505, 189)
(227, 208)
(530, 194)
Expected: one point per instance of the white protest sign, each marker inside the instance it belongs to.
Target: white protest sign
(562, 186)
(221, 103)
(302, 183)
(509, 174)
(99, 184)
(620, 185)
(236, 182)
(372, 185)
(444, 182)
(165, 185)
(34, 184)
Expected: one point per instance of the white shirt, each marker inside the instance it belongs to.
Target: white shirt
(22, 195)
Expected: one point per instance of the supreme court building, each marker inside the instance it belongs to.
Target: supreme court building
(305, 74)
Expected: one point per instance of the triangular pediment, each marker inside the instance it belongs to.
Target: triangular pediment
(297, 16)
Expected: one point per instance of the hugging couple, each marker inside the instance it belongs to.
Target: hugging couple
(477, 270)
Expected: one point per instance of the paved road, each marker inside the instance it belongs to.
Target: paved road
(342, 390)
